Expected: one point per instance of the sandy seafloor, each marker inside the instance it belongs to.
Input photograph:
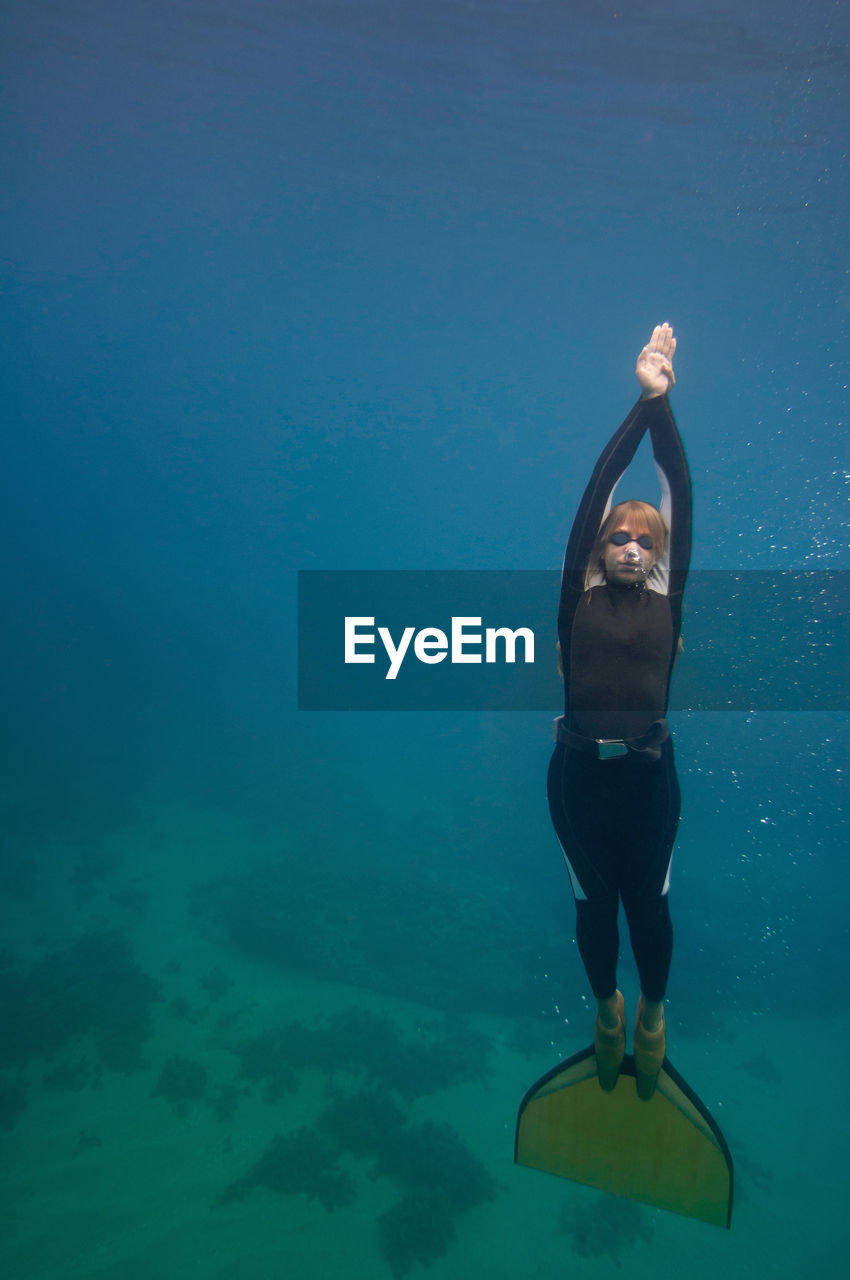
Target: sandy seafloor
(102, 1178)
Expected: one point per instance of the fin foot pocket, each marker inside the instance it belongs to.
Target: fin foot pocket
(650, 1047)
(609, 1046)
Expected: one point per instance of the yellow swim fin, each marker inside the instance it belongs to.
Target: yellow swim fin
(667, 1151)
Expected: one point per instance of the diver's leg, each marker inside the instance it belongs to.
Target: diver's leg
(598, 942)
(644, 884)
(652, 942)
(575, 804)
(651, 933)
(572, 790)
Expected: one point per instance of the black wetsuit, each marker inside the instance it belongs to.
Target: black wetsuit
(616, 818)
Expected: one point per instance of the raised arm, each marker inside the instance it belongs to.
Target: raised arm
(612, 463)
(655, 374)
(675, 477)
(652, 412)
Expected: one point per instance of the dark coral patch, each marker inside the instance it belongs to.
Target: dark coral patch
(13, 1099)
(181, 1081)
(368, 1044)
(611, 1228)
(419, 1228)
(297, 1163)
(91, 986)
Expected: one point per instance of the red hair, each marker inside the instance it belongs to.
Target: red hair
(638, 517)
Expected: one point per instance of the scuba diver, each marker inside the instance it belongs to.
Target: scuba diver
(613, 793)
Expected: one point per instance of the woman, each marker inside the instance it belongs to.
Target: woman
(613, 792)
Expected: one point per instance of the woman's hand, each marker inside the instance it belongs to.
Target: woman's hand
(655, 363)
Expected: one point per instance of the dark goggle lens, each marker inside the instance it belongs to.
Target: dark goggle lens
(621, 538)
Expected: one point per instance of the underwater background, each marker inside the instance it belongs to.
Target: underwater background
(353, 284)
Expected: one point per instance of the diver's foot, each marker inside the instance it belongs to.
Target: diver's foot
(650, 1047)
(609, 1044)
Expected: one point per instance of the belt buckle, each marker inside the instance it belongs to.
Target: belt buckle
(611, 748)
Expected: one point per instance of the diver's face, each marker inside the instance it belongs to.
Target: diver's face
(629, 556)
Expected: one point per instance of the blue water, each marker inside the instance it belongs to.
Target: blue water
(353, 285)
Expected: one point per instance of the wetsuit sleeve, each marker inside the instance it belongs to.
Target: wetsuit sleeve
(672, 466)
(613, 462)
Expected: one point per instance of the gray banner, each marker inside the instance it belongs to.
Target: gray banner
(485, 641)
